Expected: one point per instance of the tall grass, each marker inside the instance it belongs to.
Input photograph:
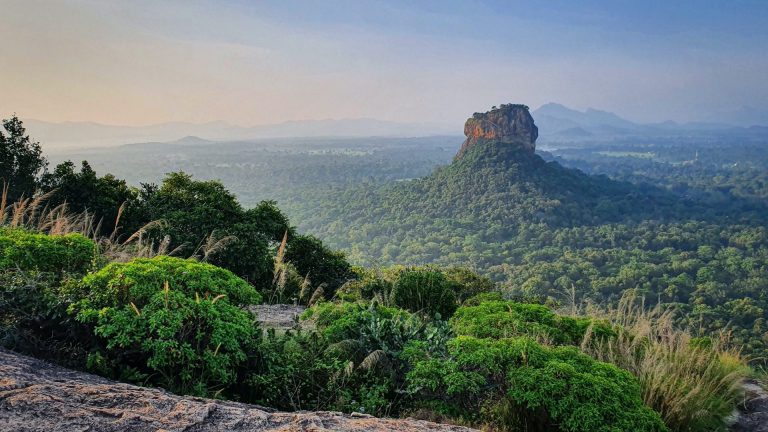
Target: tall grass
(33, 214)
(694, 384)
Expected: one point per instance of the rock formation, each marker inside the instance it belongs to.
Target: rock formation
(509, 123)
(752, 415)
(37, 396)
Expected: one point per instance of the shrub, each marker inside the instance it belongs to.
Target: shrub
(501, 319)
(413, 287)
(71, 253)
(377, 327)
(293, 373)
(424, 290)
(170, 322)
(33, 320)
(518, 384)
(375, 344)
(367, 284)
(468, 283)
(483, 297)
(305, 371)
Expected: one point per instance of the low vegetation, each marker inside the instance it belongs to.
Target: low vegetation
(518, 384)
(179, 324)
(71, 253)
(165, 321)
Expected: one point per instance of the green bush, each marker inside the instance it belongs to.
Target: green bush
(518, 384)
(33, 319)
(293, 372)
(374, 344)
(339, 321)
(169, 322)
(35, 322)
(502, 319)
(483, 297)
(413, 287)
(468, 283)
(306, 371)
(20, 249)
(424, 290)
(367, 284)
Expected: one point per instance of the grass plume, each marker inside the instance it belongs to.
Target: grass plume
(693, 383)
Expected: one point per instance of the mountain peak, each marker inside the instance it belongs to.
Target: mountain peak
(508, 124)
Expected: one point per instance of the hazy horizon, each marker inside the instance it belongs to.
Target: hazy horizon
(141, 63)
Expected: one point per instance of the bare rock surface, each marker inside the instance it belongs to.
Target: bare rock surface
(753, 414)
(38, 396)
(281, 317)
(509, 123)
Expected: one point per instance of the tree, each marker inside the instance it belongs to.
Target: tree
(323, 265)
(192, 210)
(85, 191)
(198, 215)
(21, 160)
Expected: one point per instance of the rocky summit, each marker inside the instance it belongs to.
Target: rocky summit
(510, 123)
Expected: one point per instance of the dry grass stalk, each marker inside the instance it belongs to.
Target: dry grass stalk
(33, 215)
(694, 386)
(306, 285)
(138, 245)
(280, 258)
(166, 291)
(214, 244)
(4, 202)
(135, 309)
(374, 359)
(317, 295)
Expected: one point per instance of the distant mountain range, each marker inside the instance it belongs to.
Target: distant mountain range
(86, 134)
(556, 123)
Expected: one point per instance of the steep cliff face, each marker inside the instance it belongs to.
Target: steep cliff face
(511, 124)
(39, 397)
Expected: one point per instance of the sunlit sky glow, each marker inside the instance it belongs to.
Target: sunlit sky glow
(251, 62)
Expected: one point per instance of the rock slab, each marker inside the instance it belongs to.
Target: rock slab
(38, 396)
(752, 415)
(280, 317)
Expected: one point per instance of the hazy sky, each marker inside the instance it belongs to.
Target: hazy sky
(252, 62)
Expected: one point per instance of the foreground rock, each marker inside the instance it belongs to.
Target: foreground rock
(511, 124)
(280, 317)
(38, 396)
(753, 414)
